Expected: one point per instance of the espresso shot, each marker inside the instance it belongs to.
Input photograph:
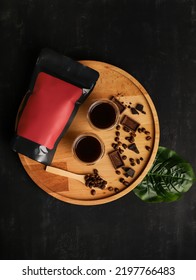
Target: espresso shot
(88, 148)
(103, 114)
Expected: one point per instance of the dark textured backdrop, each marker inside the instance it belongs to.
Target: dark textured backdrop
(155, 41)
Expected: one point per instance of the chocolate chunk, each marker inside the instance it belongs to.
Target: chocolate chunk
(133, 148)
(134, 111)
(130, 172)
(139, 107)
(129, 123)
(121, 107)
(116, 159)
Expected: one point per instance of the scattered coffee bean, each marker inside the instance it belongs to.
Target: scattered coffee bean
(93, 192)
(119, 143)
(138, 161)
(121, 180)
(114, 145)
(143, 129)
(147, 132)
(141, 158)
(139, 130)
(118, 172)
(124, 157)
(131, 160)
(118, 127)
(116, 139)
(126, 183)
(133, 164)
(117, 133)
(110, 189)
(124, 145)
(126, 129)
(147, 148)
(148, 138)
(116, 190)
(121, 151)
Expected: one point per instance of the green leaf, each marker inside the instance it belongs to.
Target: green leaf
(169, 177)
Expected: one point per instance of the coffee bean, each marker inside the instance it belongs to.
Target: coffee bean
(110, 189)
(117, 133)
(121, 180)
(143, 129)
(116, 190)
(93, 192)
(126, 129)
(126, 183)
(118, 172)
(139, 130)
(148, 138)
(141, 158)
(138, 161)
(124, 157)
(118, 127)
(147, 148)
(124, 145)
(147, 132)
(116, 139)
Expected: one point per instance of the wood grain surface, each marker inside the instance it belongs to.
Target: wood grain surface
(116, 82)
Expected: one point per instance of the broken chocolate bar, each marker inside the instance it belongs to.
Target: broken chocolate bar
(129, 123)
(134, 111)
(133, 148)
(116, 159)
(129, 172)
(139, 107)
(120, 106)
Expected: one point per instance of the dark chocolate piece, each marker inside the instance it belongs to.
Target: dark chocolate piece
(133, 148)
(129, 172)
(121, 107)
(139, 107)
(134, 111)
(116, 159)
(129, 123)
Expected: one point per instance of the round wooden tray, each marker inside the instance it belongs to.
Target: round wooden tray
(112, 82)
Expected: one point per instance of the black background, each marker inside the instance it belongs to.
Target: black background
(155, 41)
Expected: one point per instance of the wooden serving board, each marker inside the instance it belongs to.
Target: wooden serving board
(113, 81)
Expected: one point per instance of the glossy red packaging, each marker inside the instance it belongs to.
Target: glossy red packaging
(59, 85)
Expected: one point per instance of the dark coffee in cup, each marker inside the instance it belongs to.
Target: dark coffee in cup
(103, 114)
(88, 148)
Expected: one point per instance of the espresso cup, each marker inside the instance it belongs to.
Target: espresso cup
(88, 148)
(103, 114)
